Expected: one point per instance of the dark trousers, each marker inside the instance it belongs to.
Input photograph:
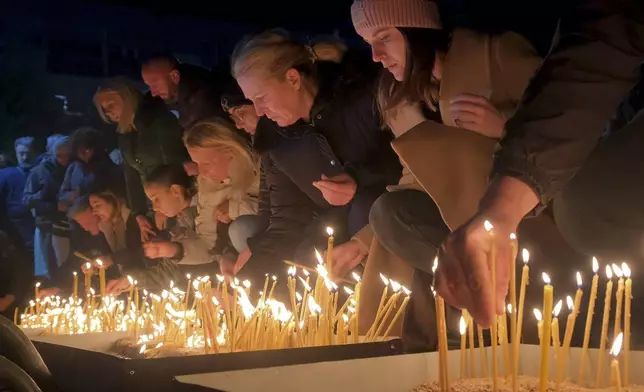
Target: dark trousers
(408, 224)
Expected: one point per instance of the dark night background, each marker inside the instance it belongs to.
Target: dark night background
(53, 54)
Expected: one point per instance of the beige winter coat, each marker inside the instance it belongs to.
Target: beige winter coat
(452, 164)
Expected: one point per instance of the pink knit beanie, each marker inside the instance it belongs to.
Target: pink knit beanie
(395, 13)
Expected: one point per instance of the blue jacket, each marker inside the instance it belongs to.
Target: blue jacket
(84, 178)
(41, 195)
(15, 217)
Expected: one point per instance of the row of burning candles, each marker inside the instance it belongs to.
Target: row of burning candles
(548, 327)
(217, 319)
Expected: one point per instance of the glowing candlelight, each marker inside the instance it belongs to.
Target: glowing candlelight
(627, 323)
(37, 290)
(614, 365)
(545, 332)
(525, 274)
(463, 331)
(101, 277)
(589, 321)
(604, 332)
(619, 298)
(329, 251)
(75, 288)
(492, 262)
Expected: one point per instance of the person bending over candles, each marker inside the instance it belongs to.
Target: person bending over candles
(149, 135)
(557, 148)
(317, 106)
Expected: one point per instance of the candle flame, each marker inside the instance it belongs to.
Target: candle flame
(188, 276)
(488, 226)
(526, 255)
(329, 231)
(609, 272)
(626, 270)
(143, 348)
(215, 301)
(463, 326)
(37, 284)
(298, 296)
(305, 272)
(578, 279)
(617, 345)
(99, 262)
(306, 286)
(171, 284)
(351, 309)
(395, 286)
(617, 271)
(345, 318)
(435, 265)
(88, 265)
(570, 303)
(406, 291)
(274, 278)
(348, 290)
(314, 308)
(384, 280)
(236, 281)
(510, 308)
(129, 279)
(291, 271)
(557, 309)
(513, 237)
(546, 278)
(91, 291)
(159, 345)
(356, 277)
(74, 273)
(220, 278)
(537, 314)
(195, 284)
(595, 265)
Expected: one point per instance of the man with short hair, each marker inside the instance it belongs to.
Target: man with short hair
(186, 88)
(15, 217)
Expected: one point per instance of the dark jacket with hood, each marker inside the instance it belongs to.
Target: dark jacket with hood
(41, 195)
(344, 134)
(156, 141)
(198, 97)
(15, 218)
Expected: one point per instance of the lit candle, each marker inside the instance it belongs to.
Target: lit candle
(614, 365)
(545, 332)
(37, 290)
(619, 298)
(382, 303)
(88, 277)
(463, 331)
(589, 321)
(604, 333)
(525, 273)
(556, 342)
(101, 277)
(539, 317)
(492, 262)
(627, 324)
(470, 332)
(513, 316)
(399, 312)
(329, 250)
(75, 293)
(356, 316)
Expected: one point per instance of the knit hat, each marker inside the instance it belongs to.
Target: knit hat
(395, 13)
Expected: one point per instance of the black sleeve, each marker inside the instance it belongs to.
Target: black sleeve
(573, 95)
(132, 255)
(134, 188)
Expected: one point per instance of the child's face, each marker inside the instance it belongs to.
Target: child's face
(169, 201)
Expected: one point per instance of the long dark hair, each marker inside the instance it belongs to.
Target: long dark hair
(168, 175)
(419, 85)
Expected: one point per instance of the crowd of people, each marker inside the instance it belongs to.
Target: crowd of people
(404, 157)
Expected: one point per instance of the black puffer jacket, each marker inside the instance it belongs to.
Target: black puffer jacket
(198, 96)
(155, 142)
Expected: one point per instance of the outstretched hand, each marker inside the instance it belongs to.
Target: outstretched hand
(463, 277)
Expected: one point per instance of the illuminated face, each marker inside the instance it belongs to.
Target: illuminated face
(163, 82)
(388, 47)
(101, 208)
(213, 162)
(280, 99)
(245, 118)
(113, 107)
(169, 201)
(88, 221)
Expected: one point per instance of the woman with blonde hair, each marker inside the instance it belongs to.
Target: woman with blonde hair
(149, 135)
(228, 182)
(328, 132)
